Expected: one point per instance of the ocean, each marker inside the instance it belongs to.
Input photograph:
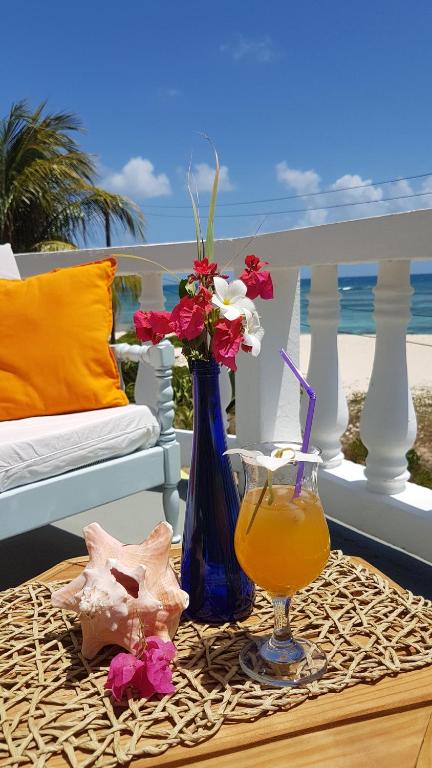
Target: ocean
(356, 304)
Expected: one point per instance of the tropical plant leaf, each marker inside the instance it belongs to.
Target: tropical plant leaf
(196, 217)
(148, 261)
(183, 291)
(209, 246)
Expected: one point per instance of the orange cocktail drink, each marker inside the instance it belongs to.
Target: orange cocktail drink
(282, 543)
(286, 544)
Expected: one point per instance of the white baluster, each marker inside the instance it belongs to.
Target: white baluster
(388, 423)
(151, 299)
(225, 393)
(331, 413)
(267, 395)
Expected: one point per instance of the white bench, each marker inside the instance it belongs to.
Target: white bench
(98, 456)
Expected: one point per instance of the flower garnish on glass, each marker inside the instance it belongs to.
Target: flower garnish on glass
(282, 542)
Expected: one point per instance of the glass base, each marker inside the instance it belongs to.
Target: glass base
(282, 664)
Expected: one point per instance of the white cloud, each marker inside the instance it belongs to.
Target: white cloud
(138, 179)
(313, 218)
(302, 182)
(167, 94)
(203, 175)
(354, 189)
(398, 189)
(352, 196)
(421, 202)
(427, 185)
(401, 189)
(262, 50)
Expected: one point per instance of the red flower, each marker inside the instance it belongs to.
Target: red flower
(203, 267)
(258, 283)
(152, 326)
(187, 317)
(252, 262)
(204, 299)
(226, 341)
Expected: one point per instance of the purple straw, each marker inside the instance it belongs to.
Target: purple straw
(309, 417)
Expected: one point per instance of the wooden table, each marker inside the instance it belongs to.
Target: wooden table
(386, 725)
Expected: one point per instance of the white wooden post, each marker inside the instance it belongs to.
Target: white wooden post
(267, 395)
(331, 413)
(388, 424)
(163, 360)
(151, 299)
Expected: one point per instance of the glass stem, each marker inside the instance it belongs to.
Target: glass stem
(281, 648)
(282, 629)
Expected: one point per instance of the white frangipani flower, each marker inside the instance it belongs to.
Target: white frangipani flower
(231, 299)
(253, 333)
(273, 462)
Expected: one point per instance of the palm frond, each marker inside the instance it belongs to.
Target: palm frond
(47, 183)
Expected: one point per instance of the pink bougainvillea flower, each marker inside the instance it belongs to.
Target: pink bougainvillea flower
(122, 671)
(204, 267)
(157, 671)
(188, 316)
(226, 341)
(258, 283)
(147, 674)
(152, 326)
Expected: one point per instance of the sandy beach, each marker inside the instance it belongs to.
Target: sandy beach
(356, 358)
(356, 354)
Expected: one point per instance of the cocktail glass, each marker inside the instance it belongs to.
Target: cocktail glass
(282, 542)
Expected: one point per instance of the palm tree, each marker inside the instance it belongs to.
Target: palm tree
(48, 198)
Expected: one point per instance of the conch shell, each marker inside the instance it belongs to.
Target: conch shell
(126, 591)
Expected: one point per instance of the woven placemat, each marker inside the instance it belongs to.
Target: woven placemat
(52, 701)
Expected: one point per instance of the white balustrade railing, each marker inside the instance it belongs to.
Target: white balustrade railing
(388, 425)
(376, 500)
(331, 412)
(267, 401)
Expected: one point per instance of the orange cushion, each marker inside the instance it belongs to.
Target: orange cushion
(54, 352)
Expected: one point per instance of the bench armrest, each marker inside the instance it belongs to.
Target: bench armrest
(161, 359)
(158, 356)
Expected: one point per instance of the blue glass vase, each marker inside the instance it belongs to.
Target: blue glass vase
(219, 591)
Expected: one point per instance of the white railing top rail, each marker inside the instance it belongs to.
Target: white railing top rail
(381, 238)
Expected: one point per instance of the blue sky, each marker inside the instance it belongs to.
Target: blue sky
(299, 97)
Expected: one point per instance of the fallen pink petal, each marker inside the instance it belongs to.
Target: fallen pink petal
(150, 673)
(121, 673)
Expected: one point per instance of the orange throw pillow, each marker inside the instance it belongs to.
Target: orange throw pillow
(54, 351)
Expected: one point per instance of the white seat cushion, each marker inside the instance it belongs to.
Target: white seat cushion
(44, 446)
(8, 265)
